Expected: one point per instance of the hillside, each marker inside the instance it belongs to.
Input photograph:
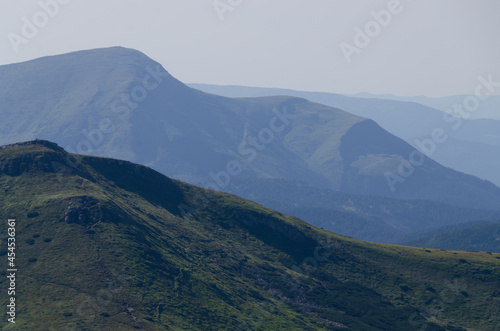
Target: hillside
(118, 103)
(109, 245)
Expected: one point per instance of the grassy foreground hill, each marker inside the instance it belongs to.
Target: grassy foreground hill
(103, 244)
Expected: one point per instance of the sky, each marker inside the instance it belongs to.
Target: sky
(421, 47)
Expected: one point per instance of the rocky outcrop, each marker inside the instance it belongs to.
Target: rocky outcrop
(83, 210)
(41, 155)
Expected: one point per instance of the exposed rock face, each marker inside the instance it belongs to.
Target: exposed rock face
(16, 166)
(38, 155)
(87, 210)
(83, 210)
(45, 143)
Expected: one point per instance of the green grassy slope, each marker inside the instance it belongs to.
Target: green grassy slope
(108, 245)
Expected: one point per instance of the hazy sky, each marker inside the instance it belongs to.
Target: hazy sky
(432, 47)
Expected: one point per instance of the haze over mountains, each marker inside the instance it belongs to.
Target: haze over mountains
(106, 246)
(471, 146)
(118, 103)
(479, 236)
(489, 108)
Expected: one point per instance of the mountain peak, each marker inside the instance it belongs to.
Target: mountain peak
(35, 142)
(102, 69)
(116, 55)
(40, 155)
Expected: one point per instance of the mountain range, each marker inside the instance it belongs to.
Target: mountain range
(471, 145)
(119, 103)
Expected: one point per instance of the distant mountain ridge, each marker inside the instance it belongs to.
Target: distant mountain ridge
(488, 108)
(480, 236)
(365, 217)
(470, 146)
